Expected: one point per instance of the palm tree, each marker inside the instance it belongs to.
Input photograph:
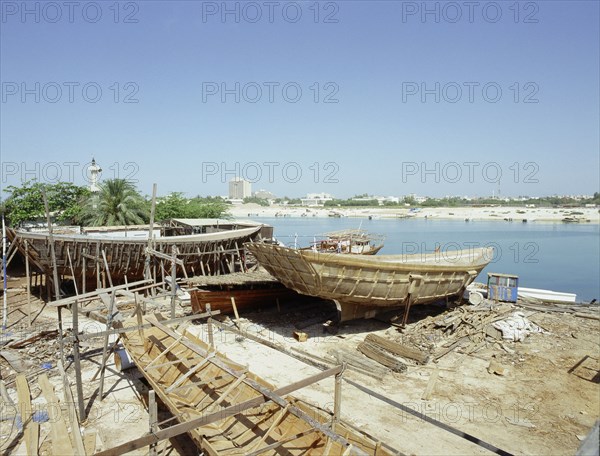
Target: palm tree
(117, 203)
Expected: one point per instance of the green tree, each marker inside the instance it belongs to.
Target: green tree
(26, 203)
(209, 207)
(117, 203)
(175, 205)
(254, 199)
(171, 206)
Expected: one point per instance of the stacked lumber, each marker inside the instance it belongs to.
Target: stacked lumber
(381, 355)
(358, 362)
(399, 349)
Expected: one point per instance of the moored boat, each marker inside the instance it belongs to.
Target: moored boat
(546, 295)
(353, 241)
(363, 285)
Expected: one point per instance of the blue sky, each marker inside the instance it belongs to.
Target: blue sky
(427, 104)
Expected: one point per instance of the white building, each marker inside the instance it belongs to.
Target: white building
(316, 199)
(264, 194)
(239, 188)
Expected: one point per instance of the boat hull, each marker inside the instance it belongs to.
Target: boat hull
(207, 253)
(363, 285)
(193, 380)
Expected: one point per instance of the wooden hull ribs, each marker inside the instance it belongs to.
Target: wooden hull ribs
(363, 285)
(207, 254)
(247, 415)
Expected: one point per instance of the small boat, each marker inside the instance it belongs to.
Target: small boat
(355, 242)
(195, 381)
(363, 285)
(546, 295)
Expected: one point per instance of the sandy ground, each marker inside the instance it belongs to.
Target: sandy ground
(538, 407)
(585, 215)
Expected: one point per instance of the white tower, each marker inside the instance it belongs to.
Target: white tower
(95, 172)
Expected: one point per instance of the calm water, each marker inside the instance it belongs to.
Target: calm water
(559, 257)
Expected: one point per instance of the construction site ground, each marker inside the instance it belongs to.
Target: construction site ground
(538, 396)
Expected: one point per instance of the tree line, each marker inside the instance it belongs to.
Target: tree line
(117, 203)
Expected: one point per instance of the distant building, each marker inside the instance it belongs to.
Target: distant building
(264, 194)
(239, 188)
(316, 199)
(418, 199)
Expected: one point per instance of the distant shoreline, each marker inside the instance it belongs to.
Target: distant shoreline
(502, 214)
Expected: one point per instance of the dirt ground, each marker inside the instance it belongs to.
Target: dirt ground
(545, 403)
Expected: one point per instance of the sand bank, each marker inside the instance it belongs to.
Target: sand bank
(502, 214)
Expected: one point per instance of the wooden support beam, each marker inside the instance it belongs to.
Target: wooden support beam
(28, 283)
(101, 367)
(173, 279)
(77, 361)
(61, 344)
(126, 329)
(96, 293)
(337, 399)
(105, 347)
(153, 419)
(147, 273)
(83, 270)
(235, 311)
(108, 274)
(72, 270)
(164, 256)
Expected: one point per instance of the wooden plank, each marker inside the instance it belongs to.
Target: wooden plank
(89, 442)
(399, 349)
(31, 428)
(61, 444)
(284, 441)
(227, 392)
(16, 361)
(274, 424)
(74, 422)
(37, 336)
(189, 373)
(430, 385)
(167, 349)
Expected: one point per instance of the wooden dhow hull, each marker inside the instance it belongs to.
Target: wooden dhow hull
(361, 286)
(206, 253)
(193, 380)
